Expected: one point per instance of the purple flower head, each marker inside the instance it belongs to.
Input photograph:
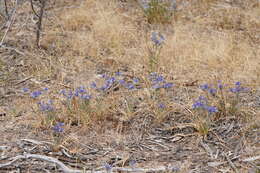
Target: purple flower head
(238, 88)
(93, 85)
(156, 86)
(238, 83)
(85, 96)
(211, 109)
(46, 106)
(82, 89)
(130, 86)
(111, 80)
(132, 163)
(212, 91)
(162, 106)
(108, 167)
(70, 95)
(159, 79)
(198, 104)
(118, 73)
(202, 98)
(122, 82)
(35, 94)
(157, 38)
(25, 90)
(204, 87)
(167, 85)
(220, 86)
(58, 127)
(104, 76)
(136, 80)
(108, 83)
(63, 92)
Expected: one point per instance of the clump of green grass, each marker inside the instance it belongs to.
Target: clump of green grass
(158, 12)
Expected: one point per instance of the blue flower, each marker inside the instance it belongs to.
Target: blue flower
(118, 73)
(58, 127)
(204, 87)
(35, 94)
(25, 90)
(80, 90)
(70, 95)
(238, 88)
(238, 83)
(46, 89)
(45, 107)
(211, 109)
(202, 98)
(93, 85)
(136, 80)
(63, 92)
(167, 85)
(130, 86)
(104, 76)
(162, 106)
(85, 97)
(108, 167)
(122, 82)
(156, 86)
(132, 163)
(220, 86)
(108, 83)
(212, 91)
(157, 38)
(159, 79)
(198, 104)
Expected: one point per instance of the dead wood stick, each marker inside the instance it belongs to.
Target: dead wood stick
(6, 10)
(250, 159)
(32, 7)
(66, 169)
(231, 163)
(39, 26)
(62, 166)
(9, 24)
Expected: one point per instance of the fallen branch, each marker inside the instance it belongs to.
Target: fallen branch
(32, 7)
(63, 167)
(10, 24)
(13, 49)
(66, 169)
(231, 163)
(39, 26)
(250, 159)
(6, 9)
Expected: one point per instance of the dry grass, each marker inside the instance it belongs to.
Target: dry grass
(205, 41)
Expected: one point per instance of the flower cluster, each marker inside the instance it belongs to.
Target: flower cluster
(208, 88)
(157, 38)
(158, 81)
(202, 103)
(80, 92)
(58, 128)
(46, 106)
(238, 88)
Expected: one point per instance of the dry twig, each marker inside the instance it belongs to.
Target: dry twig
(9, 24)
(231, 163)
(66, 169)
(39, 26)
